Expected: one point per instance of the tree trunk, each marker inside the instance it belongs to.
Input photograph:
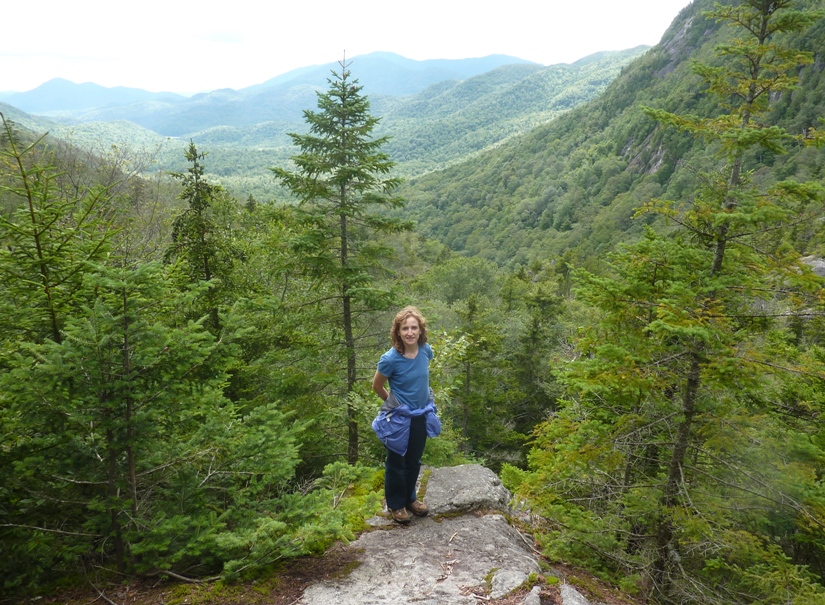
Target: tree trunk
(349, 346)
(127, 369)
(664, 534)
(352, 420)
(114, 513)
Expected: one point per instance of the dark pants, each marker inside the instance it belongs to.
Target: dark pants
(401, 472)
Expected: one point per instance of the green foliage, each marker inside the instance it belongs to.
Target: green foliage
(137, 441)
(133, 429)
(672, 458)
(341, 180)
(458, 279)
(48, 239)
(575, 183)
(492, 368)
(204, 240)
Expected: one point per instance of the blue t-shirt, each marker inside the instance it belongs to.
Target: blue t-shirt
(409, 378)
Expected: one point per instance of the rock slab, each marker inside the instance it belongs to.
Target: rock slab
(437, 561)
(429, 563)
(445, 559)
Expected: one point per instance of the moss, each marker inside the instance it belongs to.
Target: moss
(265, 587)
(544, 565)
(179, 594)
(537, 579)
(348, 569)
(488, 579)
(588, 585)
(451, 515)
(201, 594)
(377, 481)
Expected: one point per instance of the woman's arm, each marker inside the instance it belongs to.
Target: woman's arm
(378, 382)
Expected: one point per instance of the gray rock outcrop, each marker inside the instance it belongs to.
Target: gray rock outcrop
(448, 558)
(533, 597)
(816, 264)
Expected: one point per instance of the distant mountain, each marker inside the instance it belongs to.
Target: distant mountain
(441, 125)
(59, 95)
(281, 99)
(384, 73)
(245, 132)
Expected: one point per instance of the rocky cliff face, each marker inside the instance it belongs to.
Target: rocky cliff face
(465, 553)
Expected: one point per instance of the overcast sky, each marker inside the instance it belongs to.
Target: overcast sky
(188, 47)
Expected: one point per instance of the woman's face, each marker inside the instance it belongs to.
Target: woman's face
(409, 331)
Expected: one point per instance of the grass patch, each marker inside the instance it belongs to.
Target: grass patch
(425, 480)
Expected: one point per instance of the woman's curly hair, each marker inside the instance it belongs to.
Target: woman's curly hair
(400, 318)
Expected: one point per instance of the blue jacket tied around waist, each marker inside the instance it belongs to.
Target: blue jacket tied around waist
(392, 425)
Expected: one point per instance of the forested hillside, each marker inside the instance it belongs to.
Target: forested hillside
(627, 326)
(575, 184)
(453, 120)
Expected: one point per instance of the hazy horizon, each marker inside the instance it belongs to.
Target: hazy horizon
(167, 46)
(190, 94)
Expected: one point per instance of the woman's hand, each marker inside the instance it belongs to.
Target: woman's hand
(378, 382)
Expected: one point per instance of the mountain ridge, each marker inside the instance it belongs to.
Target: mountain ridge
(383, 73)
(440, 125)
(574, 184)
(73, 97)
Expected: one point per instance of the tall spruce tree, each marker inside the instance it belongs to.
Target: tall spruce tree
(341, 179)
(675, 459)
(736, 219)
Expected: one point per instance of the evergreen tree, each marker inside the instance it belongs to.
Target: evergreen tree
(675, 435)
(47, 238)
(531, 361)
(129, 454)
(203, 239)
(341, 179)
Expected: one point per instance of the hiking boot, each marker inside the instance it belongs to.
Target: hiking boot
(400, 516)
(418, 508)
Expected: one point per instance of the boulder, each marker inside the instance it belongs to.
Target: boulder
(459, 489)
(816, 264)
(430, 562)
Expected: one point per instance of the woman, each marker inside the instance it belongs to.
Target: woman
(408, 414)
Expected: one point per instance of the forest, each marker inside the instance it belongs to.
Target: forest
(623, 302)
